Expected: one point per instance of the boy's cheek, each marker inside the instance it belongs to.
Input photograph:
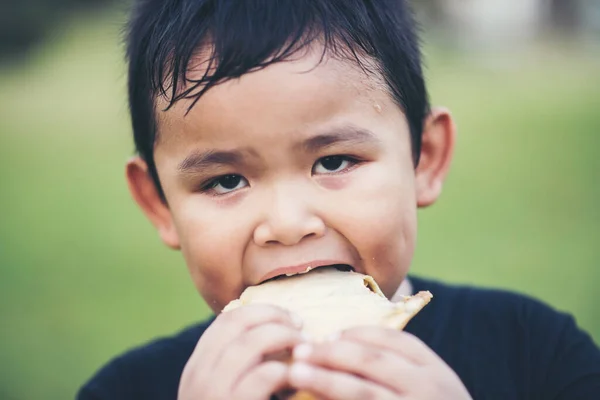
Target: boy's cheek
(386, 231)
(215, 274)
(218, 290)
(385, 238)
(212, 256)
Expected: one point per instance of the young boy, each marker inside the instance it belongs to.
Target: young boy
(277, 134)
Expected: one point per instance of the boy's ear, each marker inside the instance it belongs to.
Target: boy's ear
(146, 195)
(436, 155)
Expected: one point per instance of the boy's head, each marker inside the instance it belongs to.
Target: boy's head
(281, 134)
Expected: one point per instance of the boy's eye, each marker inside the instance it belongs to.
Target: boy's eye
(333, 164)
(225, 184)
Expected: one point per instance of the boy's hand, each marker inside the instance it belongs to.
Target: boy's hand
(229, 359)
(374, 363)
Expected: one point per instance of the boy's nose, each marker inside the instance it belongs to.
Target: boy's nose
(288, 220)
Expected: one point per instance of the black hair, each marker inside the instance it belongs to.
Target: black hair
(242, 36)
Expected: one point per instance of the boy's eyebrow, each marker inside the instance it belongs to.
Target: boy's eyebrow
(200, 160)
(348, 133)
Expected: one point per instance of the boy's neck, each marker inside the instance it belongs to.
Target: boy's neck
(405, 289)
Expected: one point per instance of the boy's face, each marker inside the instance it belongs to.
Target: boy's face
(300, 164)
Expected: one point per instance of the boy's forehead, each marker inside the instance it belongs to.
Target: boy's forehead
(308, 74)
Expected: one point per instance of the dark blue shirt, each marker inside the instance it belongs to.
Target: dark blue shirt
(502, 345)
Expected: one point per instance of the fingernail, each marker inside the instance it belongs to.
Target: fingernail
(300, 373)
(296, 320)
(302, 351)
(332, 337)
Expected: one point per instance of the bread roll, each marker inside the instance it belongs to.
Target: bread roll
(330, 301)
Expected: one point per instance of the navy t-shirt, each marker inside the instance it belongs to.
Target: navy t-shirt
(501, 345)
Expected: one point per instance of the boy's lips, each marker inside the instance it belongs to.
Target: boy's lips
(301, 268)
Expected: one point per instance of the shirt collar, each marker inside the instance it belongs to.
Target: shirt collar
(405, 289)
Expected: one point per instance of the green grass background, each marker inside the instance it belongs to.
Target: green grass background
(83, 276)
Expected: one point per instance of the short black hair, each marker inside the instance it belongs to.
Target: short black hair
(163, 36)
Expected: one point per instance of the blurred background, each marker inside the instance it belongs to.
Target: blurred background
(83, 276)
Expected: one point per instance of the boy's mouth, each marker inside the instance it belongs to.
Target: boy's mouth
(303, 269)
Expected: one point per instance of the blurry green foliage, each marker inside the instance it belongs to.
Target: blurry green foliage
(25, 23)
(83, 276)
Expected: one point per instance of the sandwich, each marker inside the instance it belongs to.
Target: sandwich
(330, 300)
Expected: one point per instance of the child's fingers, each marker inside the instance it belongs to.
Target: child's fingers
(262, 381)
(402, 343)
(238, 358)
(374, 364)
(250, 348)
(335, 385)
(231, 324)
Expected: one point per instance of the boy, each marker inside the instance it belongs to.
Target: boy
(273, 135)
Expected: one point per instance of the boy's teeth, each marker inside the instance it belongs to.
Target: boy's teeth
(297, 273)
